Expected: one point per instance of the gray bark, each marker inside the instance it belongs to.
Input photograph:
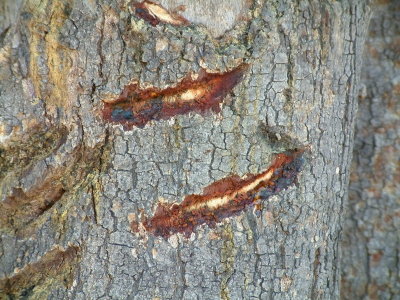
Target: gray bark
(71, 183)
(371, 245)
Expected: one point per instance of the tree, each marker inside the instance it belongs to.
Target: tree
(110, 110)
(371, 240)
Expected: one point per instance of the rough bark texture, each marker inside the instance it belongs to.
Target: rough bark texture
(72, 183)
(371, 246)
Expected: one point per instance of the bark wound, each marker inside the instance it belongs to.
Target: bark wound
(21, 210)
(155, 13)
(224, 198)
(137, 107)
(56, 266)
(17, 154)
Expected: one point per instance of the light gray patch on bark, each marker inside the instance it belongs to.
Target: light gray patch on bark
(217, 16)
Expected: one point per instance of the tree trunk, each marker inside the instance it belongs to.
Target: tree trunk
(371, 244)
(112, 111)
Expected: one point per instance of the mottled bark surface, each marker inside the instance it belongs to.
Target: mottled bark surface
(71, 180)
(371, 246)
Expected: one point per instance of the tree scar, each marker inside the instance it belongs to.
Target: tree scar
(137, 107)
(154, 13)
(224, 198)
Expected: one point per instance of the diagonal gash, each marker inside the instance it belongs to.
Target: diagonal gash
(224, 198)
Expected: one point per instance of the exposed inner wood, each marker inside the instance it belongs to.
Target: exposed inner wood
(155, 13)
(137, 107)
(224, 198)
(221, 201)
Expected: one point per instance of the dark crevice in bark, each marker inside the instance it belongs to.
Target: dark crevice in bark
(315, 294)
(100, 45)
(94, 207)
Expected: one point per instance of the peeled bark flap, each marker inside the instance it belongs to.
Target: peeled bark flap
(113, 111)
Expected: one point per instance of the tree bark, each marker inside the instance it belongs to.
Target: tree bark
(110, 110)
(371, 241)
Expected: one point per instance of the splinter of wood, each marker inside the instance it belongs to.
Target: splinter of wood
(154, 14)
(224, 198)
(137, 107)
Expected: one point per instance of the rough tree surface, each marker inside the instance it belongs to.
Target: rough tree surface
(370, 258)
(74, 185)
